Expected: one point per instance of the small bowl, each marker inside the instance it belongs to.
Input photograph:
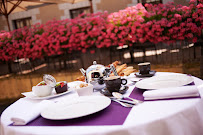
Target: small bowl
(61, 88)
(42, 90)
(84, 91)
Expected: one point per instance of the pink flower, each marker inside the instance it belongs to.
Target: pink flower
(177, 16)
(141, 40)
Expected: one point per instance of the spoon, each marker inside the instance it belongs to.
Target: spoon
(120, 96)
(123, 104)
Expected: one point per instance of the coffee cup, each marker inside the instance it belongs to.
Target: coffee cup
(113, 83)
(144, 68)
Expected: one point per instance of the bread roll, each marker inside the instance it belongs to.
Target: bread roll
(128, 68)
(128, 72)
(120, 68)
(115, 63)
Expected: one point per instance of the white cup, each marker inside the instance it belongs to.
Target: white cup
(85, 91)
(42, 90)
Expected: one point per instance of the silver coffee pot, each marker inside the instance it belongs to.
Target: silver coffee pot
(95, 75)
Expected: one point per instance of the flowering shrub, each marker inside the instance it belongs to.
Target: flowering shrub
(4, 34)
(156, 23)
(55, 37)
(123, 24)
(128, 15)
(6, 49)
(159, 23)
(86, 31)
(170, 23)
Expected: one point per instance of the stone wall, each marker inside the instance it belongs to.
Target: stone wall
(112, 5)
(45, 13)
(66, 7)
(182, 2)
(19, 15)
(49, 12)
(3, 24)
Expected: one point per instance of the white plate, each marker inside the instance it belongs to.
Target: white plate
(79, 107)
(164, 81)
(71, 86)
(31, 95)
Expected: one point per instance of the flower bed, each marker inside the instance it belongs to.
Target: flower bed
(137, 24)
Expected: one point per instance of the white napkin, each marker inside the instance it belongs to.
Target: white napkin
(176, 92)
(23, 117)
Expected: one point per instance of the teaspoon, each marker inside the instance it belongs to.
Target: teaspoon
(120, 96)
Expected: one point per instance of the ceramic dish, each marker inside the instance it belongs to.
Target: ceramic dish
(31, 95)
(164, 81)
(42, 89)
(74, 84)
(71, 86)
(85, 90)
(79, 107)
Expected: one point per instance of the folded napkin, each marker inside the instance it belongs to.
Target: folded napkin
(176, 92)
(23, 117)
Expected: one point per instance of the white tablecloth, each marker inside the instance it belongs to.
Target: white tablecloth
(168, 117)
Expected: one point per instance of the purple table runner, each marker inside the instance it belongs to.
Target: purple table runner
(115, 114)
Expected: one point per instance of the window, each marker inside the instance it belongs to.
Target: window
(75, 12)
(150, 1)
(19, 23)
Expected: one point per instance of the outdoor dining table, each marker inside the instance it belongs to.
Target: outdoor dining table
(181, 116)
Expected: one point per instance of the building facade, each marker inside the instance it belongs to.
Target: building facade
(42, 14)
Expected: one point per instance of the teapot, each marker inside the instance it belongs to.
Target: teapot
(95, 75)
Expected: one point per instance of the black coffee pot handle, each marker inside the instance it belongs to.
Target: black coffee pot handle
(123, 81)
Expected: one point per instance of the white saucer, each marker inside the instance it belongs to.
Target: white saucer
(151, 73)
